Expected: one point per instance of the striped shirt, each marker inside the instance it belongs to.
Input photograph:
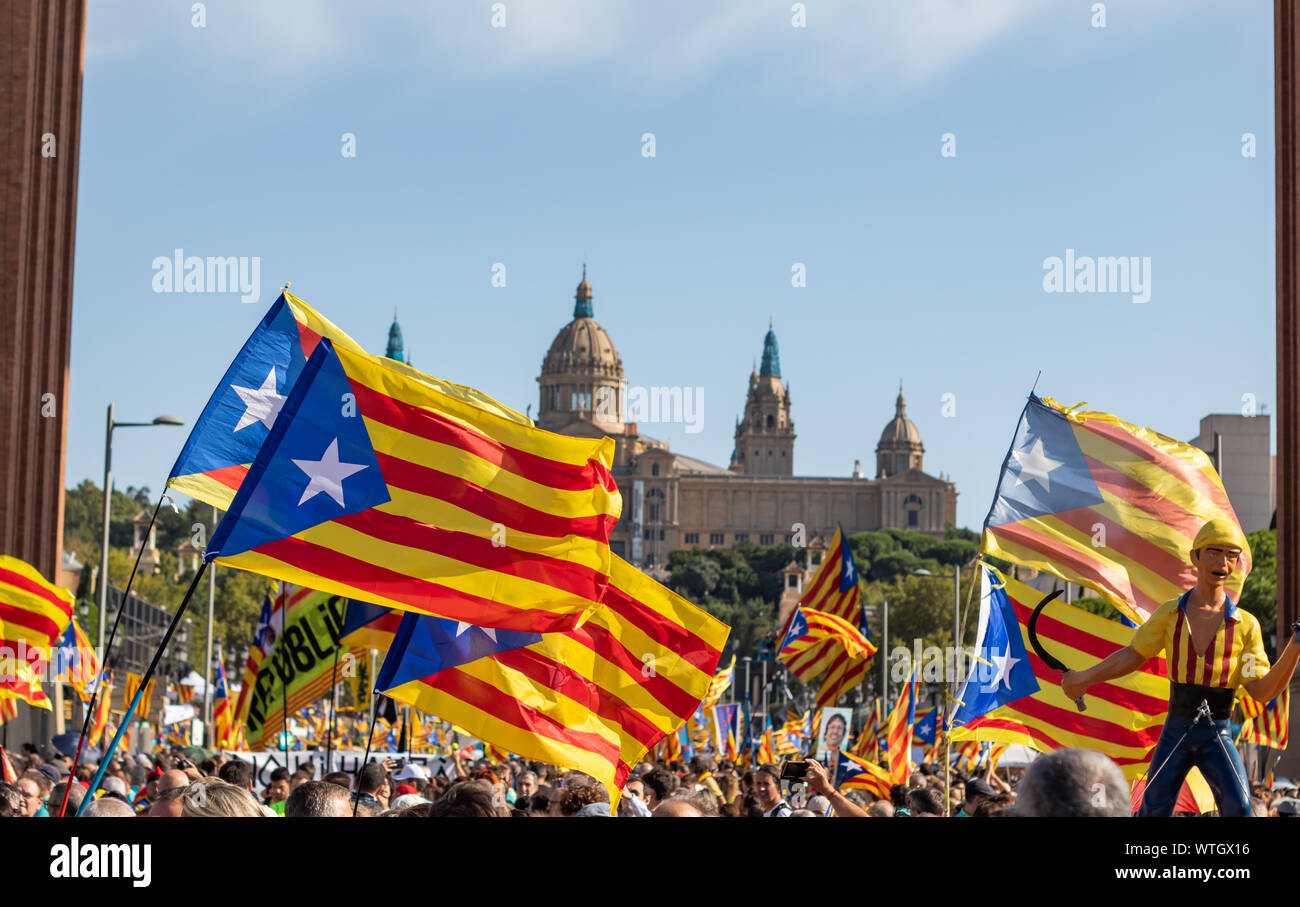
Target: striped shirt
(1234, 657)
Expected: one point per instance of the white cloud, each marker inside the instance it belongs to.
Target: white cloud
(657, 45)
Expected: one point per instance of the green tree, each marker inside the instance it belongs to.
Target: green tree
(1259, 596)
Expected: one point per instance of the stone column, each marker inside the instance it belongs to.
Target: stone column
(1286, 73)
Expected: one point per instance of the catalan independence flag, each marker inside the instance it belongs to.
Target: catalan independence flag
(1098, 501)
(34, 613)
(834, 590)
(899, 729)
(411, 499)
(78, 665)
(583, 699)
(868, 743)
(1269, 726)
(241, 411)
(853, 772)
(817, 642)
(1124, 716)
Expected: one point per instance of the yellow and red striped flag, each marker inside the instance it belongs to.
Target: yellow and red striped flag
(427, 502)
(99, 721)
(146, 698)
(868, 743)
(1106, 504)
(8, 710)
(595, 699)
(1268, 725)
(720, 684)
(34, 613)
(1124, 716)
(899, 729)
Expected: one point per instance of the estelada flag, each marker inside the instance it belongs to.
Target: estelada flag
(242, 409)
(834, 591)
(1124, 716)
(34, 613)
(853, 772)
(410, 499)
(595, 699)
(1268, 725)
(1106, 504)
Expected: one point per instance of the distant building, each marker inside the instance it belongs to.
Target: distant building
(396, 347)
(1248, 470)
(674, 501)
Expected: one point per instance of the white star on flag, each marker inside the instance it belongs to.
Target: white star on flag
(261, 404)
(489, 632)
(1036, 465)
(327, 474)
(1004, 662)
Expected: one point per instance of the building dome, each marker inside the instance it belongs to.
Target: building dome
(582, 374)
(583, 347)
(900, 447)
(900, 430)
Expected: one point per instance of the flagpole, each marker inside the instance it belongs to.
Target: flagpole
(334, 692)
(144, 682)
(105, 649)
(356, 783)
(884, 644)
(207, 677)
(284, 702)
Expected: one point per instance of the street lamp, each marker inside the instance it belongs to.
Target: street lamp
(108, 499)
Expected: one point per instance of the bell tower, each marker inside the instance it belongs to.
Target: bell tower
(765, 434)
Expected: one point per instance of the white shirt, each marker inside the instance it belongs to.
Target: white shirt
(781, 811)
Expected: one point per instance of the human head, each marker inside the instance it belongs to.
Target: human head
(238, 773)
(468, 799)
(11, 801)
(976, 791)
(677, 808)
(659, 784)
(701, 764)
(278, 789)
(767, 787)
(1073, 782)
(836, 728)
(107, 808)
(113, 784)
(168, 805)
(703, 800)
(75, 796)
(214, 798)
(526, 784)
(635, 788)
(373, 780)
(925, 801)
(881, 809)
(342, 779)
(317, 799)
(297, 779)
(32, 787)
(173, 778)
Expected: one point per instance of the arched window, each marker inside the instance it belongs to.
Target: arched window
(654, 469)
(771, 421)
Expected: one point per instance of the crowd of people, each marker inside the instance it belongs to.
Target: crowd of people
(1062, 783)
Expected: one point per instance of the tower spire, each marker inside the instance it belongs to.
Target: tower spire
(582, 307)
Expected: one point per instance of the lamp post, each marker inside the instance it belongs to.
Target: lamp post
(108, 501)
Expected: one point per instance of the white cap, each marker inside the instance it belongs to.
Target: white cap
(412, 770)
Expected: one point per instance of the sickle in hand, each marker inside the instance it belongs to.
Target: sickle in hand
(1047, 658)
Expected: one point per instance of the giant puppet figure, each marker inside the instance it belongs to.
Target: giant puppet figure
(1211, 648)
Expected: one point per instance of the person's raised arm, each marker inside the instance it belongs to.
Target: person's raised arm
(1273, 681)
(820, 781)
(1125, 661)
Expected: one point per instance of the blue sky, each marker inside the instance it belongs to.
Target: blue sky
(773, 145)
